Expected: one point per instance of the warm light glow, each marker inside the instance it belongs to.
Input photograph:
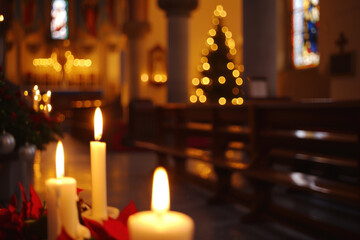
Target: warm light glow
(223, 14)
(236, 73)
(239, 100)
(241, 68)
(212, 32)
(235, 91)
(205, 80)
(230, 65)
(215, 21)
(49, 107)
(219, 8)
(233, 51)
(228, 34)
(222, 101)
(202, 98)
(222, 80)
(199, 92)
(193, 99)
(97, 103)
(144, 77)
(87, 103)
(206, 66)
(195, 81)
(233, 101)
(36, 87)
(239, 81)
(224, 29)
(210, 41)
(45, 98)
(204, 59)
(60, 165)
(214, 47)
(205, 51)
(98, 124)
(160, 201)
(1, 18)
(48, 93)
(26, 93)
(41, 107)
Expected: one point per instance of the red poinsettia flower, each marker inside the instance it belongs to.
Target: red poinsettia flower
(112, 228)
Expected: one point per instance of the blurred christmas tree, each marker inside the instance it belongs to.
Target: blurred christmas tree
(222, 79)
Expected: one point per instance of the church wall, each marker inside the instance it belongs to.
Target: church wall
(335, 17)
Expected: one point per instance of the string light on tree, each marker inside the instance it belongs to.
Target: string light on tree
(221, 80)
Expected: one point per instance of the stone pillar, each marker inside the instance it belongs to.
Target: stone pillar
(136, 29)
(135, 32)
(178, 12)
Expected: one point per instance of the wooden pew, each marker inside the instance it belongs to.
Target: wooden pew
(203, 133)
(309, 147)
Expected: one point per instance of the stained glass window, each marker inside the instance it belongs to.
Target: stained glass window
(305, 32)
(59, 19)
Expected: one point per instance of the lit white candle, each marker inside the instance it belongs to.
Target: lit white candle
(98, 170)
(61, 200)
(160, 223)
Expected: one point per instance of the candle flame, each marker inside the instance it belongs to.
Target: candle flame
(60, 160)
(48, 93)
(160, 194)
(98, 124)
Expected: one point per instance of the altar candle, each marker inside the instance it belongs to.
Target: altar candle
(160, 223)
(61, 199)
(98, 170)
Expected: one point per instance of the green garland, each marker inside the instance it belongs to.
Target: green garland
(18, 118)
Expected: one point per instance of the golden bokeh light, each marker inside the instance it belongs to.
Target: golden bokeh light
(193, 99)
(206, 66)
(214, 47)
(230, 65)
(222, 79)
(239, 81)
(222, 101)
(210, 41)
(203, 59)
(195, 81)
(205, 51)
(205, 80)
(144, 77)
(202, 98)
(212, 32)
(236, 73)
(199, 92)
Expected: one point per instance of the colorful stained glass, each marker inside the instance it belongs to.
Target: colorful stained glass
(305, 32)
(59, 19)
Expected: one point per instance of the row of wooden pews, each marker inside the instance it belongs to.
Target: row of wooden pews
(302, 152)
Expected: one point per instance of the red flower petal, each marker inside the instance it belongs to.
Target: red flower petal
(12, 204)
(97, 230)
(116, 229)
(35, 203)
(64, 236)
(126, 212)
(79, 190)
(25, 207)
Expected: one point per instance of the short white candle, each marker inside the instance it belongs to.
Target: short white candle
(160, 223)
(61, 200)
(98, 170)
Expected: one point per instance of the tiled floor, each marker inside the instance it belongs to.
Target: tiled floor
(129, 177)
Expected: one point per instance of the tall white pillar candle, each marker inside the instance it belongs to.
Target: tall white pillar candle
(98, 171)
(61, 203)
(160, 223)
